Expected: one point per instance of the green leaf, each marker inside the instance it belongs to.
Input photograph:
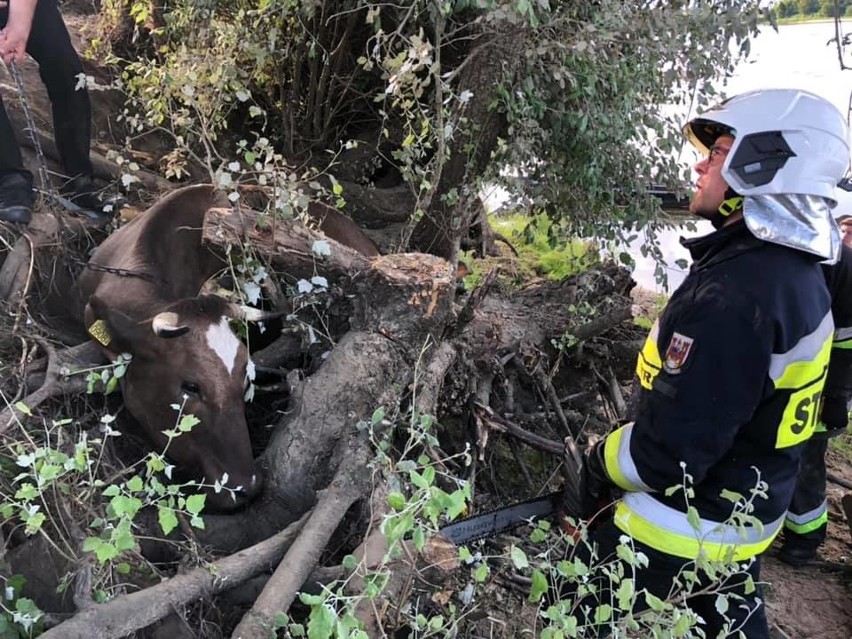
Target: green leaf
(321, 622)
(625, 594)
(519, 558)
(135, 484)
(481, 572)
(603, 613)
(418, 480)
(654, 603)
(195, 503)
(23, 408)
(187, 423)
(350, 563)
(167, 518)
(396, 501)
(539, 586)
(378, 415)
(310, 600)
(280, 620)
(682, 625)
(103, 551)
(693, 518)
(721, 604)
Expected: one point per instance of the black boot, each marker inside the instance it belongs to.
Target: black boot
(83, 192)
(796, 555)
(16, 199)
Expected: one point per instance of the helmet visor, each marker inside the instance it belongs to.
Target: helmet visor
(703, 133)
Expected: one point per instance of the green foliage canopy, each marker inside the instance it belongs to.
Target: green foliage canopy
(589, 112)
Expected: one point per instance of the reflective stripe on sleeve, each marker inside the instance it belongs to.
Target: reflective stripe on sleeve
(802, 371)
(648, 364)
(803, 363)
(619, 463)
(809, 521)
(663, 528)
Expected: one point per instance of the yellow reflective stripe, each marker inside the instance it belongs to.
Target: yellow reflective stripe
(842, 337)
(809, 521)
(803, 363)
(809, 527)
(663, 528)
(619, 463)
(648, 364)
(802, 370)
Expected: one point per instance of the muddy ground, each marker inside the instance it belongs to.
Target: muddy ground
(815, 601)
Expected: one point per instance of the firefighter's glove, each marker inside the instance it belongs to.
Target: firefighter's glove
(834, 414)
(587, 486)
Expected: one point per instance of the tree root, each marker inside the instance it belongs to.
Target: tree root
(128, 613)
(503, 425)
(836, 479)
(57, 380)
(351, 483)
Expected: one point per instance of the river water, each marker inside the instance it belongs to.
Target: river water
(797, 56)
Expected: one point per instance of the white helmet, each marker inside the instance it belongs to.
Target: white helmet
(786, 141)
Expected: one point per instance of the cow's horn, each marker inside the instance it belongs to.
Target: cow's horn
(252, 314)
(166, 325)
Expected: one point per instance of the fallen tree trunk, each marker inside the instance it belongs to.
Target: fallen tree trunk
(128, 613)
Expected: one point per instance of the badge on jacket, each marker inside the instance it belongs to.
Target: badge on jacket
(677, 353)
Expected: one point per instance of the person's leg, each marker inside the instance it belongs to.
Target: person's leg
(10, 152)
(807, 517)
(745, 613)
(16, 182)
(658, 578)
(50, 46)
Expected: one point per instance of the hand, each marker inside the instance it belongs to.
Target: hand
(834, 413)
(587, 486)
(13, 43)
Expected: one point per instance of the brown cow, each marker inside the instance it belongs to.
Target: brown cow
(184, 352)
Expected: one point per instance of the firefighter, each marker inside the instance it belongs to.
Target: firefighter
(733, 370)
(806, 524)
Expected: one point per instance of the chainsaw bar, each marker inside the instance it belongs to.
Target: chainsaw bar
(496, 521)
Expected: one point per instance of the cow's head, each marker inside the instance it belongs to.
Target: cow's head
(187, 356)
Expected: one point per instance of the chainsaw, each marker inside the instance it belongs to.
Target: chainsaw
(563, 503)
(496, 521)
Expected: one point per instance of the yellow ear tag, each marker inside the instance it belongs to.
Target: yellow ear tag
(99, 331)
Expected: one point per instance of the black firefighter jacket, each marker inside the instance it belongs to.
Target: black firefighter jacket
(731, 375)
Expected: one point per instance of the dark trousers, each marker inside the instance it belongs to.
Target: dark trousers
(806, 526)
(745, 614)
(50, 46)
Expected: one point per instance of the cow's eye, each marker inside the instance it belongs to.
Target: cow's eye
(190, 388)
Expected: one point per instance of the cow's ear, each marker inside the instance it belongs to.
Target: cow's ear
(113, 330)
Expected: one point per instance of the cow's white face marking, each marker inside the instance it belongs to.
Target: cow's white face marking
(224, 343)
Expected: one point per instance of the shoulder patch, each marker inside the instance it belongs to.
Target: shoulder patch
(680, 346)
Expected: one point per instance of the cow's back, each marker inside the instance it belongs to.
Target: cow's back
(159, 255)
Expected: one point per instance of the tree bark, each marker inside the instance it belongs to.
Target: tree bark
(128, 613)
(495, 59)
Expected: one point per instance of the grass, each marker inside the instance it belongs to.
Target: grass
(542, 250)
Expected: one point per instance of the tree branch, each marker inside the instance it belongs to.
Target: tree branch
(128, 613)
